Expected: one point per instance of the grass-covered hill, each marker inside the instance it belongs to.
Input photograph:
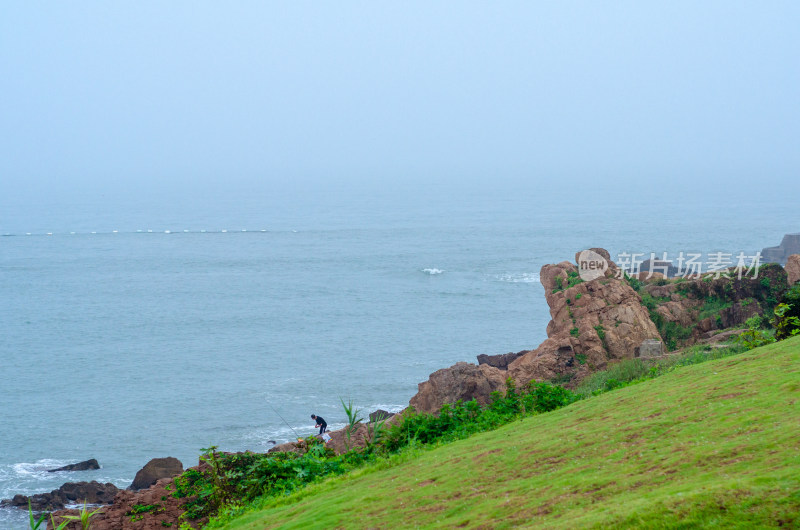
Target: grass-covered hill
(715, 444)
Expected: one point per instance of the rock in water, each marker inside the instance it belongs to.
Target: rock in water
(379, 415)
(70, 493)
(154, 470)
(80, 466)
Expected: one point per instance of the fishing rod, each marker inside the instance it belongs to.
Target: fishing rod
(284, 421)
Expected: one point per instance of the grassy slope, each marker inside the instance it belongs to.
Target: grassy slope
(715, 444)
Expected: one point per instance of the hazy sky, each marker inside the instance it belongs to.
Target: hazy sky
(113, 93)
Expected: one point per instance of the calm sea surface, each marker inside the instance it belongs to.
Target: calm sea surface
(185, 326)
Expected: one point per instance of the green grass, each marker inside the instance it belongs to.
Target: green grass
(636, 370)
(713, 444)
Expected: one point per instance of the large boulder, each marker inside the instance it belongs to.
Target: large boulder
(462, 381)
(793, 269)
(592, 322)
(70, 493)
(380, 415)
(154, 470)
(86, 465)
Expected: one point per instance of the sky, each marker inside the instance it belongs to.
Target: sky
(118, 95)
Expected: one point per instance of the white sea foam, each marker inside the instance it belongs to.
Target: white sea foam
(520, 277)
(433, 271)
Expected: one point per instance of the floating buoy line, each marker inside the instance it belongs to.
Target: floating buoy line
(141, 231)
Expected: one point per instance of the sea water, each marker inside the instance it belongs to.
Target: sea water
(158, 327)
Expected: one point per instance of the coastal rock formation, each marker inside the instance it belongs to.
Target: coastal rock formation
(502, 360)
(86, 465)
(793, 269)
(591, 324)
(163, 510)
(789, 245)
(70, 493)
(462, 381)
(156, 469)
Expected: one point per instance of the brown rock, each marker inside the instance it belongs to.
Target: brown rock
(582, 313)
(462, 381)
(165, 513)
(154, 470)
(288, 447)
(793, 269)
(715, 337)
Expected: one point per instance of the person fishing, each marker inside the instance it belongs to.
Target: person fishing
(321, 423)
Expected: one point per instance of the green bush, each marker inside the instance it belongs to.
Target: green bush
(784, 323)
(573, 278)
(791, 298)
(460, 419)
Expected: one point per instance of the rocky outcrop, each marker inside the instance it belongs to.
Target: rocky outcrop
(154, 470)
(500, 361)
(86, 465)
(706, 305)
(462, 381)
(70, 493)
(592, 323)
(780, 254)
(126, 513)
(793, 269)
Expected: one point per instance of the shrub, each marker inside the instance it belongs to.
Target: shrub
(573, 278)
(784, 323)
